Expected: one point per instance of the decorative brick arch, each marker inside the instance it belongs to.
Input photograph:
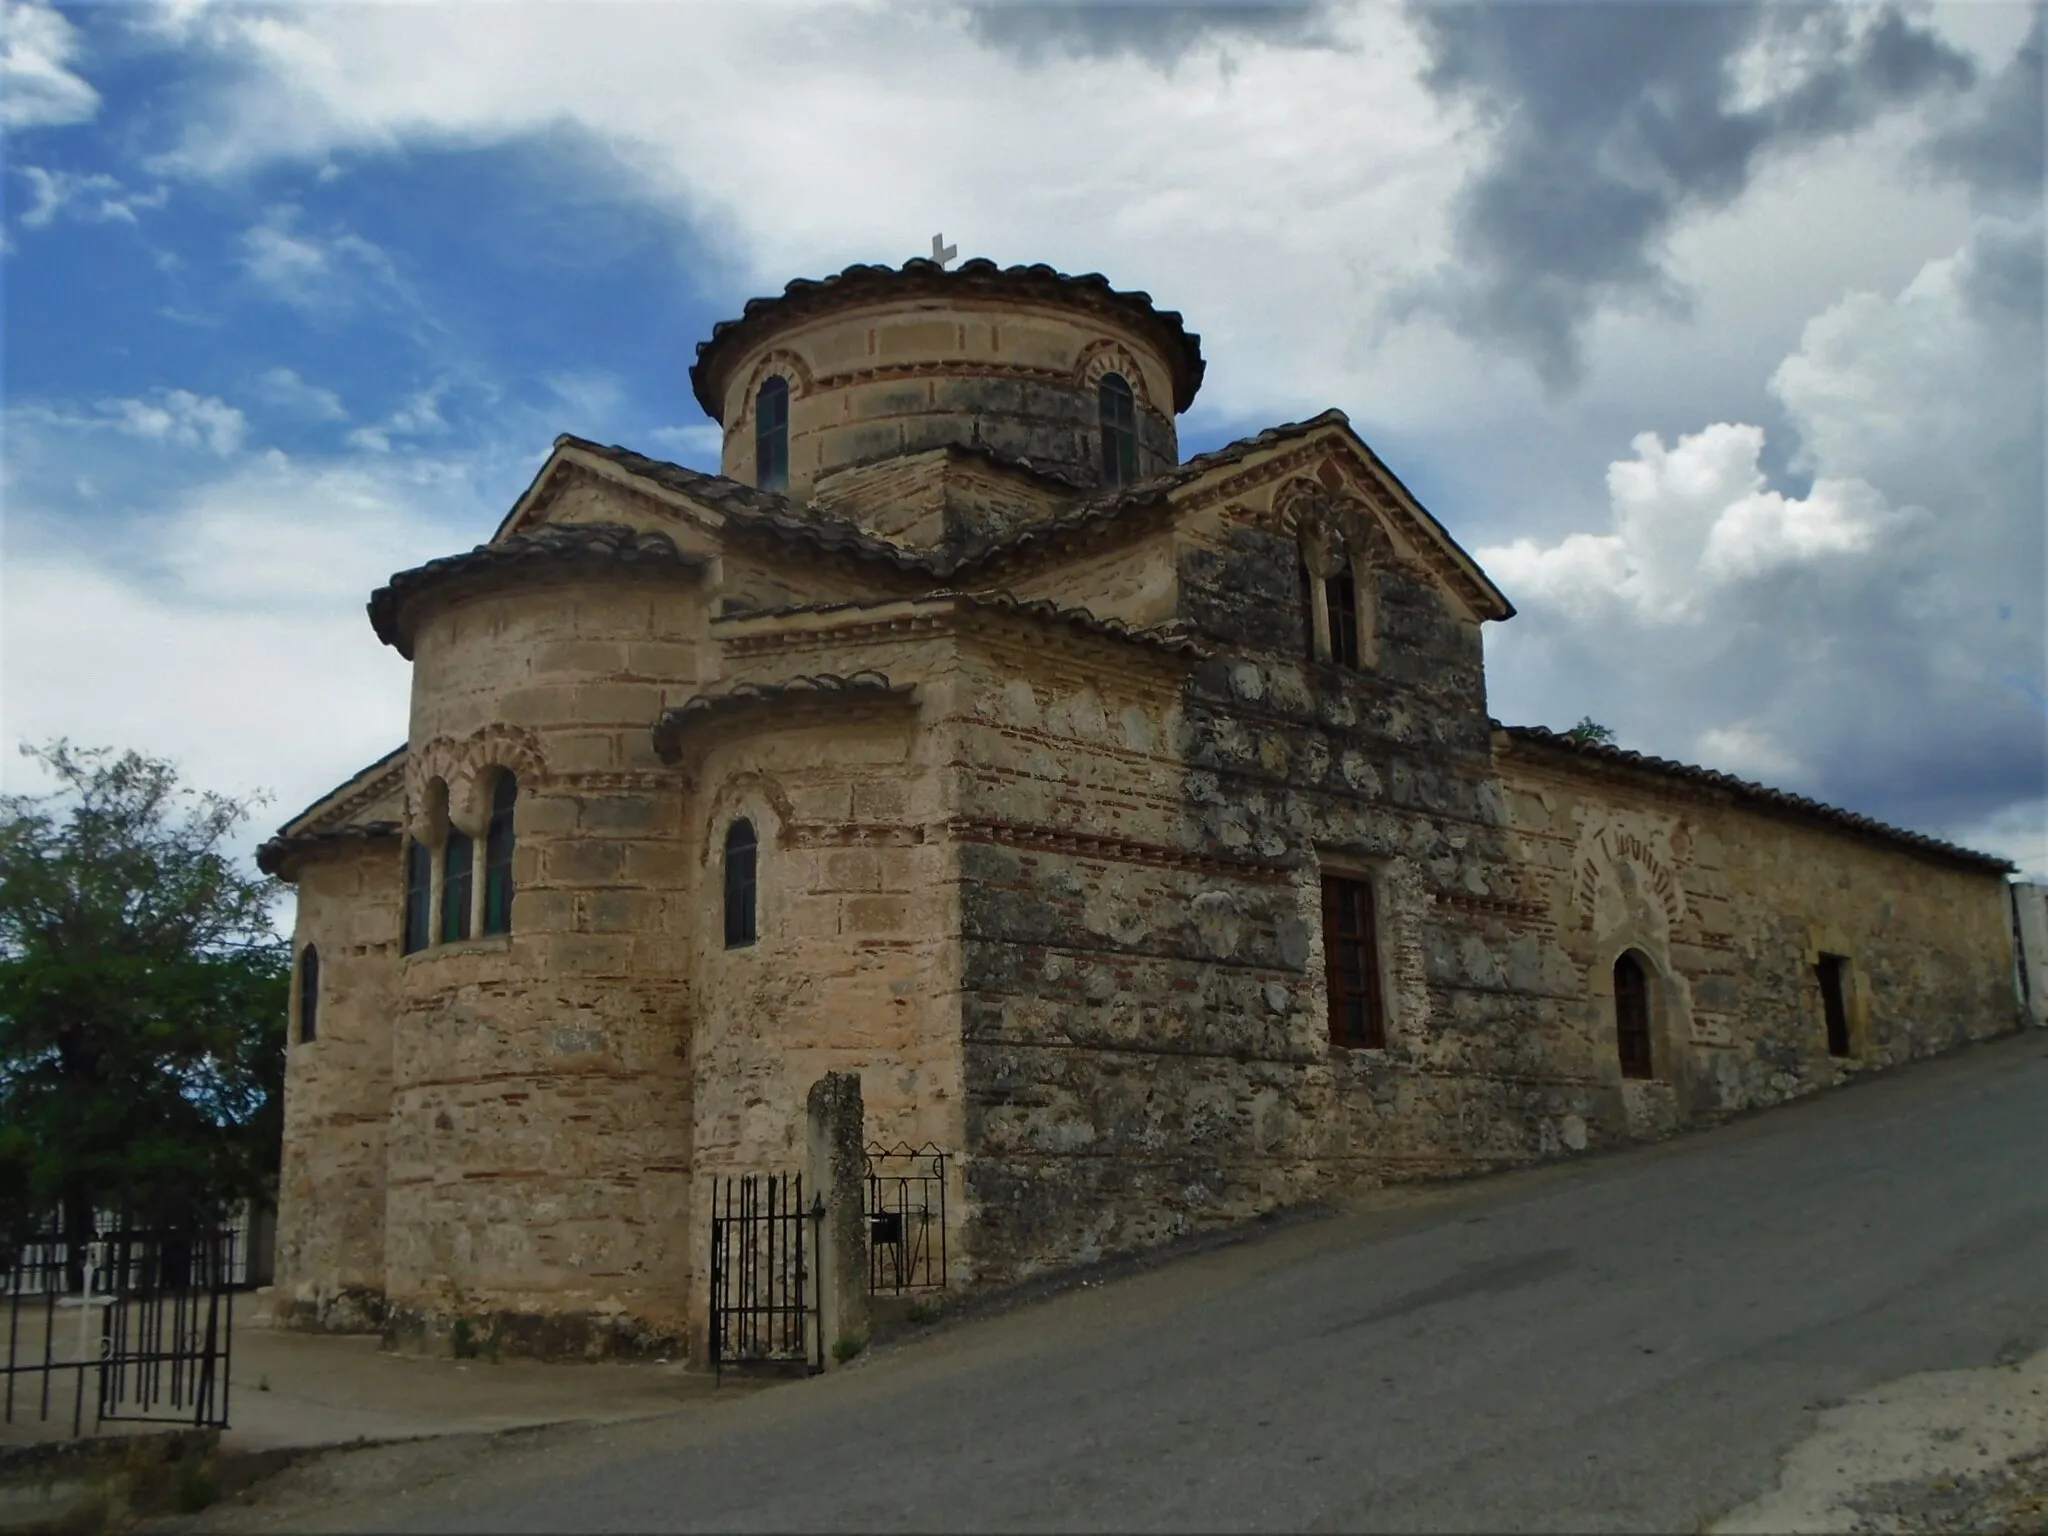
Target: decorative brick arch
(738, 790)
(464, 764)
(783, 363)
(1101, 357)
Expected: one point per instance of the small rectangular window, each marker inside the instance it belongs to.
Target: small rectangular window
(458, 872)
(498, 856)
(1833, 1008)
(1351, 958)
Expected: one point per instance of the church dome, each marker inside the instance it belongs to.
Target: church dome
(1076, 377)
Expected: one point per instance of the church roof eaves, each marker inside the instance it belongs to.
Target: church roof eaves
(978, 276)
(1151, 491)
(1037, 610)
(553, 544)
(1763, 794)
(766, 512)
(359, 788)
(273, 855)
(736, 697)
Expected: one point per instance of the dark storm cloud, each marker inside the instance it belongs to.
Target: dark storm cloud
(1157, 31)
(1613, 121)
(1998, 147)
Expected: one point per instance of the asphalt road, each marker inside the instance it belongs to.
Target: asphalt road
(1632, 1342)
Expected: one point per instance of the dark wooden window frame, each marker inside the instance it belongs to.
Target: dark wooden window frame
(1351, 963)
(1341, 595)
(498, 845)
(742, 893)
(1832, 972)
(309, 994)
(1632, 1016)
(418, 932)
(458, 883)
(1116, 409)
(771, 434)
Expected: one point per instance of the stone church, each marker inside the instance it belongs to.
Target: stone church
(1134, 826)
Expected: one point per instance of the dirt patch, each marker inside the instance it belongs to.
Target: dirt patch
(1938, 1452)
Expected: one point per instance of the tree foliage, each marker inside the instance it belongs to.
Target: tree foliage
(1590, 733)
(143, 995)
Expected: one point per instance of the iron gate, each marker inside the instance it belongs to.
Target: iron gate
(146, 1313)
(906, 1204)
(764, 1292)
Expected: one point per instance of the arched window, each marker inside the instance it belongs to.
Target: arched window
(1342, 592)
(419, 895)
(309, 994)
(1632, 1017)
(498, 856)
(771, 434)
(458, 877)
(740, 852)
(1118, 413)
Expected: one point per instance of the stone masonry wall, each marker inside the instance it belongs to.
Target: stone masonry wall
(1733, 907)
(884, 380)
(1146, 1027)
(540, 1146)
(330, 1208)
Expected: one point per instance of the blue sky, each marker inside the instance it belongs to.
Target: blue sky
(1714, 331)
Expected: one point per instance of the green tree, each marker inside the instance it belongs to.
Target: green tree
(143, 994)
(1590, 733)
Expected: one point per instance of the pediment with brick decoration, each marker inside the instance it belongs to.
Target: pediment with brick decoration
(1327, 490)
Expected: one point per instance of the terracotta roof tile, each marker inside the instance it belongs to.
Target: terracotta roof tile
(1151, 491)
(272, 856)
(1758, 793)
(546, 546)
(734, 697)
(1040, 610)
(763, 511)
(977, 276)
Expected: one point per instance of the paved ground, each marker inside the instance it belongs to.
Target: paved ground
(299, 1390)
(1635, 1342)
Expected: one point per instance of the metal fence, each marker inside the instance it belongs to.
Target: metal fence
(764, 1294)
(124, 1323)
(906, 1205)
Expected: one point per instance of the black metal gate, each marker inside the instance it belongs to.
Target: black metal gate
(764, 1290)
(906, 1203)
(138, 1322)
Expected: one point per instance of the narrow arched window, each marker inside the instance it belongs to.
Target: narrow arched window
(1118, 413)
(498, 856)
(1342, 592)
(419, 895)
(309, 994)
(740, 853)
(458, 876)
(771, 434)
(1632, 1017)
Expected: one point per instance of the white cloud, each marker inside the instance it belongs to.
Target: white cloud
(284, 390)
(38, 88)
(224, 629)
(94, 198)
(1689, 520)
(420, 416)
(1878, 641)
(1315, 177)
(180, 418)
(313, 272)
